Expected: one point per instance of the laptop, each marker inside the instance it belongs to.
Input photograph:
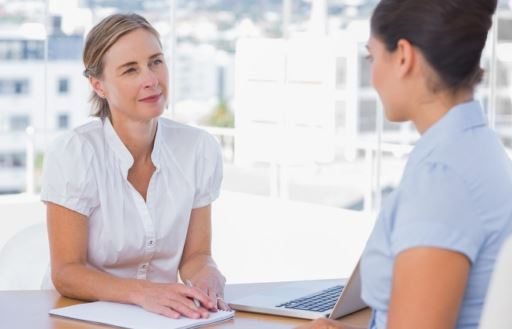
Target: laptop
(307, 299)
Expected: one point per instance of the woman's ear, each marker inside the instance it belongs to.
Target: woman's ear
(97, 86)
(406, 57)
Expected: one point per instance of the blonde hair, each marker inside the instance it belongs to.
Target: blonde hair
(99, 40)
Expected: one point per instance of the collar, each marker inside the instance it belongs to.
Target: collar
(457, 120)
(157, 146)
(121, 151)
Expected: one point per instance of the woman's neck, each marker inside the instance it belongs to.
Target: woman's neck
(137, 136)
(432, 107)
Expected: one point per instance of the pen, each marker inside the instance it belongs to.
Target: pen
(189, 284)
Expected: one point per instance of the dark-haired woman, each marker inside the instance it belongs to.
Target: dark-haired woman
(429, 259)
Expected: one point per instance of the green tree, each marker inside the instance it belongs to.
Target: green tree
(221, 116)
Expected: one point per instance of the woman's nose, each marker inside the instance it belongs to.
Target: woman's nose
(150, 79)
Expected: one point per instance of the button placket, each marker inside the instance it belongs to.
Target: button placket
(149, 235)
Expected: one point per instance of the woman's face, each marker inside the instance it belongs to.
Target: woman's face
(135, 77)
(385, 77)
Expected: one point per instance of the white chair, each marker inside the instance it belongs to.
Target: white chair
(497, 312)
(24, 259)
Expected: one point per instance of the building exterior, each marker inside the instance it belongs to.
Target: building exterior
(49, 96)
(303, 98)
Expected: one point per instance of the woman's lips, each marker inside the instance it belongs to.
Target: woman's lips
(151, 99)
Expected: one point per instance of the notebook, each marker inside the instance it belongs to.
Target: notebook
(133, 317)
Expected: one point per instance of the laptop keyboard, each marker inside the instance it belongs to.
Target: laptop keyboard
(319, 302)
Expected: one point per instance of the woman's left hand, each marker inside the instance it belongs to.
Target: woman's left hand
(197, 264)
(211, 282)
(323, 324)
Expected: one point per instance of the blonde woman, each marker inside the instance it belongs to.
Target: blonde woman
(129, 195)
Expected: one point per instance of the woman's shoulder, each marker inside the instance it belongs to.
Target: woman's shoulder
(93, 125)
(69, 170)
(77, 141)
(476, 156)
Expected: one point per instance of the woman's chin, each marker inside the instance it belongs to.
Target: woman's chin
(152, 112)
(395, 116)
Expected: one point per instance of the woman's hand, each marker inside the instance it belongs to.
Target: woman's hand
(173, 300)
(210, 281)
(197, 264)
(323, 324)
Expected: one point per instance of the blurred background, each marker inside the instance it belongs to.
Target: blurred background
(283, 84)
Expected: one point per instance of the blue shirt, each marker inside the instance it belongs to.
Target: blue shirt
(455, 194)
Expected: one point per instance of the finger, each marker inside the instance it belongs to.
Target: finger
(213, 298)
(203, 312)
(192, 292)
(187, 301)
(208, 292)
(183, 309)
(222, 305)
(166, 311)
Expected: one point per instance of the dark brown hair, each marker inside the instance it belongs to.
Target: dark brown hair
(450, 34)
(99, 40)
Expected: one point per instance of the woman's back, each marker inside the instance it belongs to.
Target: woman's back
(453, 195)
(477, 156)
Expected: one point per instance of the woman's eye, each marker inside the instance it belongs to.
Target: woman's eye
(129, 70)
(369, 58)
(157, 61)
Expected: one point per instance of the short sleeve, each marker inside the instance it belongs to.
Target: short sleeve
(208, 171)
(435, 210)
(68, 178)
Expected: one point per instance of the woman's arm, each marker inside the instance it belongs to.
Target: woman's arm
(197, 264)
(68, 237)
(428, 288)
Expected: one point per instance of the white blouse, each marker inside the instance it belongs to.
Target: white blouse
(86, 170)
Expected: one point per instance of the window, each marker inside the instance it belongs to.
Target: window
(341, 72)
(11, 160)
(14, 87)
(33, 49)
(367, 116)
(21, 87)
(19, 122)
(340, 121)
(364, 67)
(63, 86)
(10, 50)
(322, 101)
(21, 49)
(63, 121)
(18, 160)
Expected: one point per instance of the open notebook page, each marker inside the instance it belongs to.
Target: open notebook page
(132, 316)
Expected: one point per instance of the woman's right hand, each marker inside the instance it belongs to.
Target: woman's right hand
(172, 300)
